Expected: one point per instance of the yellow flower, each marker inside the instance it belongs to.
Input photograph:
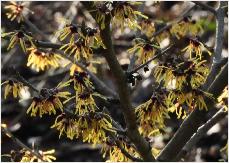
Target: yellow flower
(147, 27)
(49, 101)
(81, 81)
(43, 60)
(27, 156)
(182, 72)
(18, 37)
(66, 125)
(13, 87)
(185, 27)
(93, 128)
(115, 153)
(197, 47)
(144, 50)
(193, 98)
(223, 98)
(79, 49)
(15, 10)
(85, 102)
(125, 14)
(152, 113)
(69, 29)
(102, 9)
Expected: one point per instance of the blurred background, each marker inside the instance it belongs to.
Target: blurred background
(48, 17)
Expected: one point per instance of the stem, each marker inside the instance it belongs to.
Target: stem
(200, 132)
(20, 143)
(142, 146)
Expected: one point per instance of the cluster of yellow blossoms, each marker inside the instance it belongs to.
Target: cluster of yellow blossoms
(24, 155)
(48, 101)
(14, 87)
(144, 49)
(40, 60)
(152, 114)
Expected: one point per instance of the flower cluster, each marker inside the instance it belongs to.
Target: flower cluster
(190, 99)
(196, 46)
(114, 152)
(223, 98)
(15, 10)
(48, 101)
(40, 60)
(147, 27)
(19, 37)
(152, 114)
(91, 127)
(125, 14)
(144, 49)
(14, 87)
(185, 27)
(69, 29)
(26, 156)
(79, 49)
(183, 72)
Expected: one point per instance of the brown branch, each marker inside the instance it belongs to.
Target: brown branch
(20, 143)
(140, 143)
(194, 120)
(206, 7)
(201, 132)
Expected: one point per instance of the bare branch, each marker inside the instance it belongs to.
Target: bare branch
(218, 44)
(201, 132)
(141, 144)
(205, 7)
(20, 143)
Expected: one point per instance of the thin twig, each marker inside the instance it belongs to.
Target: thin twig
(153, 58)
(24, 81)
(205, 6)
(20, 143)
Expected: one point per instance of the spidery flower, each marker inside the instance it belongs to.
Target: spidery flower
(66, 125)
(49, 101)
(43, 60)
(147, 27)
(93, 128)
(81, 81)
(92, 38)
(69, 29)
(125, 14)
(185, 27)
(152, 113)
(27, 156)
(85, 102)
(145, 50)
(192, 98)
(15, 10)
(13, 87)
(102, 10)
(79, 49)
(197, 47)
(183, 72)
(223, 98)
(18, 37)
